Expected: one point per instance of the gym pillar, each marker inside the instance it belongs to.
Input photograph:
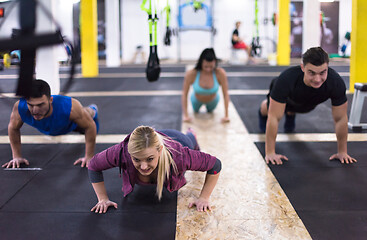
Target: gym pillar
(284, 30)
(358, 61)
(88, 35)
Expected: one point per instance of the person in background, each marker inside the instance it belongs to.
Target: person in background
(205, 79)
(238, 43)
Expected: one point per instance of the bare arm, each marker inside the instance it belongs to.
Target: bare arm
(209, 184)
(236, 38)
(103, 201)
(275, 113)
(202, 203)
(341, 130)
(14, 126)
(223, 81)
(85, 121)
(188, 81)
(100, 190)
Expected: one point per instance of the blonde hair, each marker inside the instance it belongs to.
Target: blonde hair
(146, 137)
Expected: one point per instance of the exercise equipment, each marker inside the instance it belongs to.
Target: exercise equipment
(268, 44)
(169, 32)
(198, 5)
(255, 44)
(360, 94)
(184, 25)
(273, 19)
(27, 42)
(189, 14)
(153, 69)
(343, 48)
(7, 60)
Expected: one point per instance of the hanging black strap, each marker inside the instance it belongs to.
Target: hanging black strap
(27, 42)
(167, 37)
(27, 14)
(153, 69)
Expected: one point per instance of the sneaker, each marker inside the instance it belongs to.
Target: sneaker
(290, 123)
(95, 117)
(262, 122)
(196, 147)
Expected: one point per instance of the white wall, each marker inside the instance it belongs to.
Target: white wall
(226, 13)
(63, 18)
(345, 21)
(11, 20)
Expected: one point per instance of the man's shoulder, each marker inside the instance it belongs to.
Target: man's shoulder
(291, 74)
(61, 97)
(61, 101)
(293, 70)
(21, 105)
(15, 109)
(334, 75)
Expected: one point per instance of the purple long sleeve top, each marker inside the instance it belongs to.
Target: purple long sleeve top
(185, 159)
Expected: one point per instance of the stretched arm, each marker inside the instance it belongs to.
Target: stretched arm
(223, 81)
(211, 178)
(102, 161)
(81, 117)
(14, 126)
(275, 113)
(103, 201)
(188, 80)
(202, 203)
(341, 130)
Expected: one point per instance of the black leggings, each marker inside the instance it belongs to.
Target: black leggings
(186, 140)
(189, 140)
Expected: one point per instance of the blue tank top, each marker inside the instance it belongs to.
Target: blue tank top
(58, 123)
(205, 91)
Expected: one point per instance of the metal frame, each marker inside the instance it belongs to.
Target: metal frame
(357, 105)
(207, 29)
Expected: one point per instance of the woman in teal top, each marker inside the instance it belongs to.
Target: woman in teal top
(205, 79)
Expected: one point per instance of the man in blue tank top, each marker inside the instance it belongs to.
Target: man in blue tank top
(52, 115)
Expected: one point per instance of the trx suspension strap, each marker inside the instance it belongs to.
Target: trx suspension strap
(197, 5)
(27, 42)
(153, 69)
(255, 45)
(167, 37)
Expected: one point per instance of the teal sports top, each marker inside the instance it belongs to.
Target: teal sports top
(205, 91)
